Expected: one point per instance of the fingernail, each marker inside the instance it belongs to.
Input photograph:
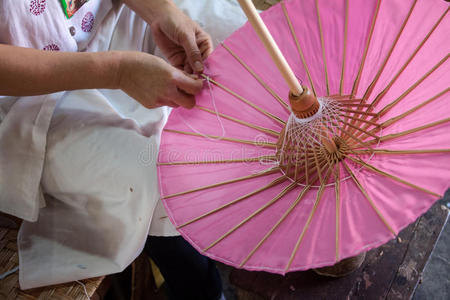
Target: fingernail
(198, 66)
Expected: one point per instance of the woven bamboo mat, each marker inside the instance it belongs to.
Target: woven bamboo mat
(9, 286)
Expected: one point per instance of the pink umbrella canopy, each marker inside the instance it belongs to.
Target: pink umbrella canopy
(380, 69)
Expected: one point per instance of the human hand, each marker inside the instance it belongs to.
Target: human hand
(153, 82)
(181, 40)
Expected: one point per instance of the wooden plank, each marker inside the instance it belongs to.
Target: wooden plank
(390, 271)
(422, 244)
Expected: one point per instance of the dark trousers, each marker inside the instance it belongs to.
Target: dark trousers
(188, 274)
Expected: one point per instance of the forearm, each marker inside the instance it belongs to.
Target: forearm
(149, 9)
(28, 72)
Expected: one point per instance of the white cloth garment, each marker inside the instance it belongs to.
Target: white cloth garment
(92, 153)
(38, 24)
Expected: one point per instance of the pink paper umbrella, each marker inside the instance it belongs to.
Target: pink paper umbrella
(250, 184)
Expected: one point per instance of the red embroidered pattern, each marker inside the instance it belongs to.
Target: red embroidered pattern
(88, 22)
(51, 47)
(37, 7)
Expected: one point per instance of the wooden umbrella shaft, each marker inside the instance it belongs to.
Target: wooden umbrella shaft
(269, 43)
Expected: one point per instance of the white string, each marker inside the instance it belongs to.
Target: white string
(312, 131)
(7, 273)
(213, 100)
(84, 288)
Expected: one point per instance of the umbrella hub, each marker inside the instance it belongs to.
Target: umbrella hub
(329, 143)
(305, 105)
(307, 145)
(338, 152)
(299, 163)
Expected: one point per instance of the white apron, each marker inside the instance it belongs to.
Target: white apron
(79, 166)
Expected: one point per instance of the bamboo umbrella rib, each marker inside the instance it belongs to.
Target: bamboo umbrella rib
(296, 166)
(388, 56)
(414, 109)
(390, 176)
(269, 233)
(283, 217)
(359, 129)
(251, 104)
(283, 153)
(247, 124)
(311, 161)
(349, 103)
(402, 96)
(355, 104)
(366, 49)
(305, 147)
(393, 152)
(406, 113)
(306, 167)
(410, 131)
(307, 158)
(338, 208)
(317, 166)
(394, 79)
(268, 186)
(311, 170)
(322, 42)
(389, 85)
(330, 160)
(361, 120)
(299, 48)
(223, 161)
(340, 97)
(352, 150)
(318, 170)
(264, 173)
(347, 100)
(356, 139)
(233, 140)
(288, 159)
(372, 204)
(303, 155)
(308, 221)
(258, 211)
(342, 129)
(341, 86)
(288, 165)
(361, 112)
(257, 77)
(395, 102)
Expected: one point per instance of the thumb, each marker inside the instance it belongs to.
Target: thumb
(187, 83)
(193, 53)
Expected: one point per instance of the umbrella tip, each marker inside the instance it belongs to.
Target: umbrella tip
(304, 105)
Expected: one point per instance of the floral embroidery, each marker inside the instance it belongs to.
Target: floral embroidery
(37, 7)
(51, 47)
(88, 22)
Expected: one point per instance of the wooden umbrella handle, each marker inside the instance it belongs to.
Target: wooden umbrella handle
(268, 41)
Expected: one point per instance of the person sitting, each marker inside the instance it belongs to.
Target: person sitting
(84, 101)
